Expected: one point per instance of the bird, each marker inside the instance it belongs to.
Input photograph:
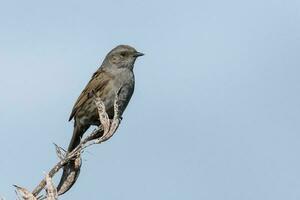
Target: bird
(115, 75)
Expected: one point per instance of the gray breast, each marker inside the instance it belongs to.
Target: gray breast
(123, 83)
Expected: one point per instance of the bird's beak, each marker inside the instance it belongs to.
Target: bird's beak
(138, 54)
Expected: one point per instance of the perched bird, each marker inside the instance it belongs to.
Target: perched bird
(114, 75)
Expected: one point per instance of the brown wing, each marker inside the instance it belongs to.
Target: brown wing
(98, 81)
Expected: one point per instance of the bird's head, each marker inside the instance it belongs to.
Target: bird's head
(123, 56)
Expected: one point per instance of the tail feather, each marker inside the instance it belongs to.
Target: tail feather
(72, 169)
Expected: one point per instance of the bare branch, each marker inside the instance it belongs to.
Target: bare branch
(60, 152)
(98, 135)
(112, 126)
(50, 189)
(104, 119)
(24, 193)
(72, 176)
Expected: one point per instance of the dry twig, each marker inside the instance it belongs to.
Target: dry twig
(98, 135)
(50, 189)
(24, 193)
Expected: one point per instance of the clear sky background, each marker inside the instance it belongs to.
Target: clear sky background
(216, 110)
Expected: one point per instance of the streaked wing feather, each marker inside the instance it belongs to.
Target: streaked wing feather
(98, 81)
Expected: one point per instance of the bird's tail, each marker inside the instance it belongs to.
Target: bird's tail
(72, 169)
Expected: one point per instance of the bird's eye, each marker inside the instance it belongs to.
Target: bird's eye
(123, 54)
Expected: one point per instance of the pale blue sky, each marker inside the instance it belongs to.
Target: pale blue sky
(216, 110)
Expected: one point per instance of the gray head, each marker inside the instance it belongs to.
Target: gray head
(122, 56)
